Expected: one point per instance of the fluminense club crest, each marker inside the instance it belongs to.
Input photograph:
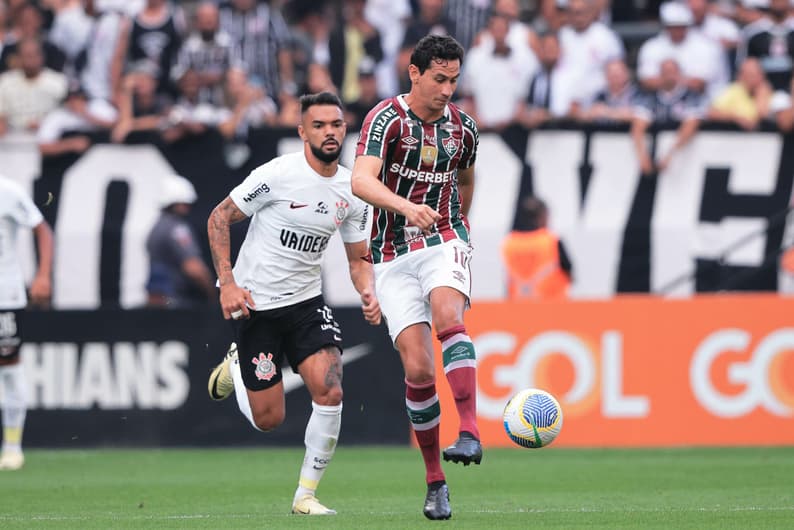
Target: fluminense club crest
(451, 145)
(265, 367)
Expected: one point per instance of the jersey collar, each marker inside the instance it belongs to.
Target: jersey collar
(404, 105)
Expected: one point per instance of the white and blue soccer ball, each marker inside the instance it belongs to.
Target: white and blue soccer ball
(533, 418)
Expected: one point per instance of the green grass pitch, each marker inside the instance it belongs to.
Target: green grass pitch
(376, 487)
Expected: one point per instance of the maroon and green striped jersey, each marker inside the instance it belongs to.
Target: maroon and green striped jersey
(420, 162)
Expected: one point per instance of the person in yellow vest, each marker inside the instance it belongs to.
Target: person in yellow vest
(537, 265)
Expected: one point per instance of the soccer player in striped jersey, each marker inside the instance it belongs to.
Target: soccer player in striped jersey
(415, 165)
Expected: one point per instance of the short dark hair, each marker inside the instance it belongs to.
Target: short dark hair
(321, 98)
(435, 47)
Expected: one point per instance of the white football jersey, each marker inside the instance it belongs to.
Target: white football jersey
(294, 212)
(16, 210)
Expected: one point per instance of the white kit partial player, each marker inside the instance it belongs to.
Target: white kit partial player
(17, 212)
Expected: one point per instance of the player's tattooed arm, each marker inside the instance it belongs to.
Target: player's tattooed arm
(224, 215)
(235, 301)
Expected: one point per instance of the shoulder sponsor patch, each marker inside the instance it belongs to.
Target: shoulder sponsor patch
(256, 192)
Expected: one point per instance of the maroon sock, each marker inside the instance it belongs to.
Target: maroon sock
(424, 411)
(460, 368)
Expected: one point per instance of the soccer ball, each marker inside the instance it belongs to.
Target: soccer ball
(533, 418)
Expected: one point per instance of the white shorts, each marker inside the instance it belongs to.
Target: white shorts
(403, 285)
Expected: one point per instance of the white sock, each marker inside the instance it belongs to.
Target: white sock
(322, 433)
(14, 406)
(242, 393)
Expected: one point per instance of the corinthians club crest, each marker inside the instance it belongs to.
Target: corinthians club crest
(341, 211)
(265, 367)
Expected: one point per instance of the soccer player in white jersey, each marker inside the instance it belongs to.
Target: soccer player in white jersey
(415, 164)
(296, 202)
(17, 211)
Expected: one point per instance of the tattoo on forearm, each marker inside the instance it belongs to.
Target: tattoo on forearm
(225, 214)
(233, 213)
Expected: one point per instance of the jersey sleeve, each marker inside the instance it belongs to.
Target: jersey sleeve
(471, 139)
(355, 227)
(23, 211)
(260, 188)
(380, 128)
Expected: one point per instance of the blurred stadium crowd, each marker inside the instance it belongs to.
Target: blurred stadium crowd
(182, 67)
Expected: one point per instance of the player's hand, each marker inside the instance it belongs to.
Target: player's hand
(422, 216)
(236, 301)
(40, 290)
(370, 307)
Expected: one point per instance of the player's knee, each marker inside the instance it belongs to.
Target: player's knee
(420, 374)
(330, 397)
(447, 317)
(268, 420)
(421, 382)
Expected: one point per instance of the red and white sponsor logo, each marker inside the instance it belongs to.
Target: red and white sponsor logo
(265, 367)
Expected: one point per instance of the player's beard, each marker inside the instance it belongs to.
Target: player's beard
(326, 156)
